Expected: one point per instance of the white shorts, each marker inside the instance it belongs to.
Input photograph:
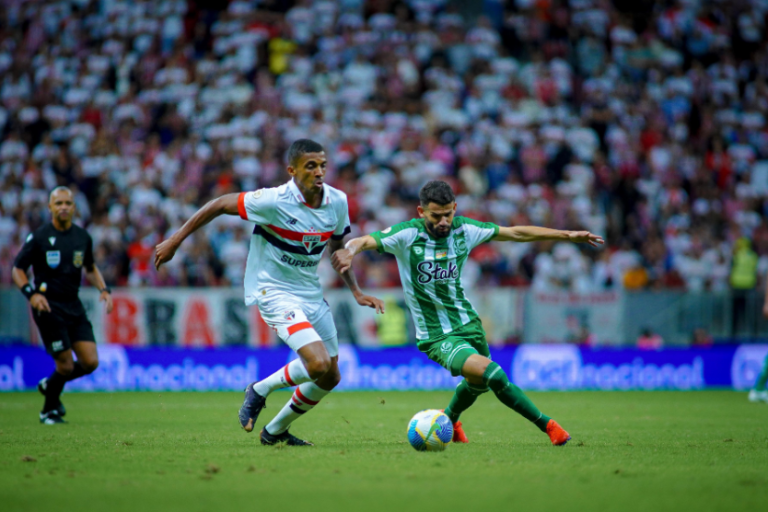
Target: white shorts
(300, 323)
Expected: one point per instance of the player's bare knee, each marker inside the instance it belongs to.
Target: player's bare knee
(476, 380)
(474, 369)
(332, 378)
(319, 367)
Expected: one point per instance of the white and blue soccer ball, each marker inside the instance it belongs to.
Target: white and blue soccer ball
(430, 430)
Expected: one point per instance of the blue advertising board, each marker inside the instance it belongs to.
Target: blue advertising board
(534, 367)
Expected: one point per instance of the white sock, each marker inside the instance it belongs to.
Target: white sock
(304, 398)
(289, 375)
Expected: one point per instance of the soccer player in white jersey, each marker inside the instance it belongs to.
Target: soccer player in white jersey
(431, 252)
(293, 224)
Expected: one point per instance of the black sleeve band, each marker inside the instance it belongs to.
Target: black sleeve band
(347, 230)
(28, 291)
(106, 289)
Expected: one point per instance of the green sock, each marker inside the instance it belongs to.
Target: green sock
(513, 397)
(464, 396)
(762, 379)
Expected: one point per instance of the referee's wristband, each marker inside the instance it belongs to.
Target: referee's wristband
(106, 289)
(28, 291)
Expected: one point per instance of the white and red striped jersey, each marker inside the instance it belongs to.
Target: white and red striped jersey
(289, 239)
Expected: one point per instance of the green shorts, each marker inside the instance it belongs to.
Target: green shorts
(452, 350)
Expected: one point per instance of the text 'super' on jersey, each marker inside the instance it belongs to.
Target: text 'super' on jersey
(430, 271)
(289, 239)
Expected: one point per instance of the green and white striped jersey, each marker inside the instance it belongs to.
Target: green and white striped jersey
(430, 271)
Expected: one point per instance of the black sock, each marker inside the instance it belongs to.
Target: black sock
(53, 391)
(77, 372)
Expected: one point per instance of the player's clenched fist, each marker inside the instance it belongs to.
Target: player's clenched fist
(341, 260)
(164, 252)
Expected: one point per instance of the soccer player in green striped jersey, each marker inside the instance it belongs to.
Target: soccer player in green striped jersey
(431, 252)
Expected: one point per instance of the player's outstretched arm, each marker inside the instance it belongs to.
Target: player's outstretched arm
(348, 276)
(535, 234)
(226, 204)
(342, 259)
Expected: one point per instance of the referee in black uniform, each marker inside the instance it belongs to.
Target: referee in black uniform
(57, 252)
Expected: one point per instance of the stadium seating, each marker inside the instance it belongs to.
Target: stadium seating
(645, 124)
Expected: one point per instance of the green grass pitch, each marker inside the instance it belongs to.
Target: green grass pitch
(185, 451)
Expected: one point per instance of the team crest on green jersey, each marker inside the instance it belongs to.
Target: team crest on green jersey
(459, 245)
(418, 251)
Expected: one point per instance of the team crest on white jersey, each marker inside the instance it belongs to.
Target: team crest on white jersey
(311, 239)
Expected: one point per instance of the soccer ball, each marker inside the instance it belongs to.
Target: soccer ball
(430, 430)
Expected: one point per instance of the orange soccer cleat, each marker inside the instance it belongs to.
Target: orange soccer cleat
(557, 434)
(458, 433)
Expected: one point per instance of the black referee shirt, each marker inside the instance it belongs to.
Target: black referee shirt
(57, 258)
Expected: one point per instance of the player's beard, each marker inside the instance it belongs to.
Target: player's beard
(435, 232)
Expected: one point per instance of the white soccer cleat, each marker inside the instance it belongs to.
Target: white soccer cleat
(758, 396)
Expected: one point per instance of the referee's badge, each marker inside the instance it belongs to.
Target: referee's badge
(77, 259)
(53, 258)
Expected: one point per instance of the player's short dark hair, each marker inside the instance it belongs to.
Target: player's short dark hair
(436, 191)
(302, 147)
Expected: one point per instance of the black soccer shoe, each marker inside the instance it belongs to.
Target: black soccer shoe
(252, 406)
(42, 387)
(269, 440)
(51, 418)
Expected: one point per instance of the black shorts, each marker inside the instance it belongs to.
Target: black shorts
(60, 329)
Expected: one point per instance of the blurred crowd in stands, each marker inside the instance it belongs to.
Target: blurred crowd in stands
(641, 121)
